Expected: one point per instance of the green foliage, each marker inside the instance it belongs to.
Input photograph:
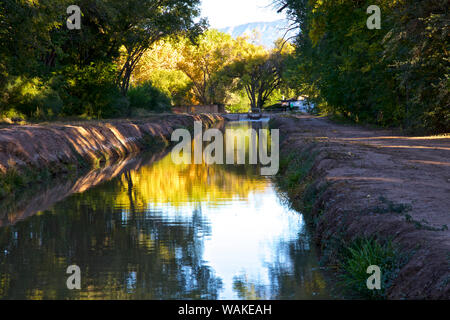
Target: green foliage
(258, 72)
(203, 61)
(395, 76)
(147, 97)
(215, 69)
(173, 83)
(239, 102)
(90, 91)
(283, 92)
(47, 70)
(30, 97)
(296, 167)
(416, 47)
(358, 256)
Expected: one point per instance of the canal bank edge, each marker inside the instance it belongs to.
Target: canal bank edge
(35, 153)
(352, 226)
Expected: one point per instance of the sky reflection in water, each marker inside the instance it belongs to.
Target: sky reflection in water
(165, 232)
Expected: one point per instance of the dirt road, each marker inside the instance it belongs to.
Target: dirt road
(371, 173)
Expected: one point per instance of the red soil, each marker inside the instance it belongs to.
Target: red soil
(364, 164)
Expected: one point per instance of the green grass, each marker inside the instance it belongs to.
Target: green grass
(357, 256)
(295, 181)
(296, 167)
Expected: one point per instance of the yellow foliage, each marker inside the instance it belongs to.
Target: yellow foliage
(165, 183)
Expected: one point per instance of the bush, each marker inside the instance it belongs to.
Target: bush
(174, 84)
(147, 97)
(91, 91)
(88, 91)
(30, 97)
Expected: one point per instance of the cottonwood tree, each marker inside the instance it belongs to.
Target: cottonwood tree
(158, 66)
(259, 72)
(145, 22)
(203, 60)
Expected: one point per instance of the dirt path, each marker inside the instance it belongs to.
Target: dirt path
(363, 165)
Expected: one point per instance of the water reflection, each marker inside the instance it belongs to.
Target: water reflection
(164, 232)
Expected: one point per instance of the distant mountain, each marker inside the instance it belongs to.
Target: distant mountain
(269, 31)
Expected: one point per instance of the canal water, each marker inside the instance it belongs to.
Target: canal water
(165, 231)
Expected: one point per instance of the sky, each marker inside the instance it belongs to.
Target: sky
(230, 13)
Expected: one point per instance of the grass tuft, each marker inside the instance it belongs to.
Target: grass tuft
(361, 253)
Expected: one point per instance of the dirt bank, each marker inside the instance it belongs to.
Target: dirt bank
(58, 148)
(364, 183)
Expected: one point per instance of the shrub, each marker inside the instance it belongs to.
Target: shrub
(31, 97)
(147, 97)
(91, 91)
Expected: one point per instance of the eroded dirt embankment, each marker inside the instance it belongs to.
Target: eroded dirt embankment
(58, 148)
(365, 183)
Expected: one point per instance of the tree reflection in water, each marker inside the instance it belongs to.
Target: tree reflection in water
(155, 233)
